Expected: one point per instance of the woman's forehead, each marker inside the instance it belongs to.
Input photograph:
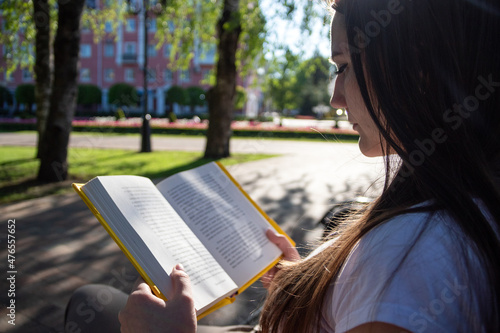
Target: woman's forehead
(338, 35)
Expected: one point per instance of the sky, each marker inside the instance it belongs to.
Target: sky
(288, 32)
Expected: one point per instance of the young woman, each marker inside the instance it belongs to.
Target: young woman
(420, 80)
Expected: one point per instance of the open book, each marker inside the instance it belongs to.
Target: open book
(200, 218)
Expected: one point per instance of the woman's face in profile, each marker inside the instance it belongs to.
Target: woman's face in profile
(346, 93)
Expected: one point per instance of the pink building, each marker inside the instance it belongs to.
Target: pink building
(119, 58)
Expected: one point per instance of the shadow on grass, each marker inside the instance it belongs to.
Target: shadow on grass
(14, 162)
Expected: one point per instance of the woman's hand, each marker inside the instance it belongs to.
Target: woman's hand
(290, 253)
(144, 312)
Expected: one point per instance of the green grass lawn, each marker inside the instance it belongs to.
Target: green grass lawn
(18, 168)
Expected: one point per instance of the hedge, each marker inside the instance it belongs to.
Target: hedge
(178, 95)
(123, 94)
(5, 96)
(89, 94)
(25, 94)
(282, 134)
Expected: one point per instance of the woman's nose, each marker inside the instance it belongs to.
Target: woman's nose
(337, 101)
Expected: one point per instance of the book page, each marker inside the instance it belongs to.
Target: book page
(229, 226)
(168, 238)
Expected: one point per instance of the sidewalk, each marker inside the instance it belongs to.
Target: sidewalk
(60, 245)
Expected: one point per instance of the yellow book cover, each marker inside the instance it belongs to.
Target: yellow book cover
(211, 178)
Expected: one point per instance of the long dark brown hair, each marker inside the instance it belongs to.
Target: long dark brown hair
(433, 74)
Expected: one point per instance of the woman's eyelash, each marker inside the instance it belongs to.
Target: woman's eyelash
(339, 69)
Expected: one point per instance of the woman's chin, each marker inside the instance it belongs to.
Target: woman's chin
(370, 149)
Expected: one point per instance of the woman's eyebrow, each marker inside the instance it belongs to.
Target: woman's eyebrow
(335, 54)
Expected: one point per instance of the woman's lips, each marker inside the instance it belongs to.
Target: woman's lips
(355, 126)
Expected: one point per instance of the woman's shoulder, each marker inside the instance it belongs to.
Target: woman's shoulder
(420, 228)
(406, 271)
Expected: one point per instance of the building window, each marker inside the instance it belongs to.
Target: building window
(85, 51)
(166, 50)
(90, 4)
(184, 76)
(130, 48)
(9, 77)
(152, 24)
(206, 75)
(7, 51)
(109, 49)
(151, 75)
(133, 5)
(129, 74)
(27, 76)
(207, 55)
(85, 27)
(151, 50)
(109, 74)
(85, 74)
(130, 54)
(108, 27)
(167, 75)
(130, 27)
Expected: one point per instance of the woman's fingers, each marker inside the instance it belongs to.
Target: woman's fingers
(181, 284)
(289, 251)
(145, 312)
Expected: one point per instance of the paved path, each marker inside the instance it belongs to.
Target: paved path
(60, 245)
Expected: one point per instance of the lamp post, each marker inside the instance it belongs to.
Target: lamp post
(146, 129)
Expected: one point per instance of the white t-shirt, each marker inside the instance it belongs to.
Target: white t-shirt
(428, 292)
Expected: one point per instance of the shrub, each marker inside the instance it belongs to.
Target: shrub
(196, 96)
(89, 94)
(119, 114)
(122, 94)
(172, 117)
(25, 94)
(176, 95)
(5, 96)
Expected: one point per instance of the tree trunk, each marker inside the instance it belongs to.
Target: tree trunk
(54, 146)
(43, 80)
(221, 99)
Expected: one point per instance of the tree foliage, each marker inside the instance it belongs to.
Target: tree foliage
(18, 35)
(299, 84)
(189, 27)
(313, 80)
(241, 98)
(123, 94)
(282, 86)
(111, 12)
